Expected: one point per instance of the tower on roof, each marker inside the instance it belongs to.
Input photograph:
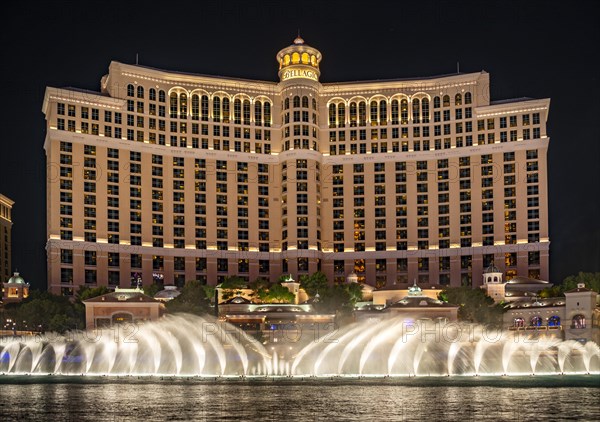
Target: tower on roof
(15, 289)
(293, 286)
(493, 284)
(299, 61)
(415, 290)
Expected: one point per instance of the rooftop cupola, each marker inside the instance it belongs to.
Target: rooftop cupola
(299, 61)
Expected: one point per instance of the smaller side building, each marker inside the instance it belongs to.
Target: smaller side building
(416, 305)
(573, 317)
(121, 306)
(516, 288)
(581, 314)
(15, 289)
(277, 322)
(391, 294)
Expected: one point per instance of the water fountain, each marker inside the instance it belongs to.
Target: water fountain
(188, 345)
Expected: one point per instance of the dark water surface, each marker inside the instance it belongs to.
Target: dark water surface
(72, 398)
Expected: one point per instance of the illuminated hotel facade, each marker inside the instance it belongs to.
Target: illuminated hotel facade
(171, 176)
(6, 205)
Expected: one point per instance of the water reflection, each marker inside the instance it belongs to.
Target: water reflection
(176, 399)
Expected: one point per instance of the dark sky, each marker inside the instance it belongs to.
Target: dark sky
(534, 49)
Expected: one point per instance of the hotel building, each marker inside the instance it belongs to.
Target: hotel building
(171, 176)
(5, 238)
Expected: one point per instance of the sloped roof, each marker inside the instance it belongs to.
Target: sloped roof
(579, 289)
(420, 302)
(236, 300)
(527, 280)
(122, 297)
(397, 287)
(539, 303)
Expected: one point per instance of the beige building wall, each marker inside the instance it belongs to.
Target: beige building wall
(139, 312)
(5, 238)
(303, 176)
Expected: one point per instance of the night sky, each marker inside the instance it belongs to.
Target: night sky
(533, 49)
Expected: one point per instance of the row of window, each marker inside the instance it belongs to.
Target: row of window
(399, 110)
(577, 322)
(223, 265)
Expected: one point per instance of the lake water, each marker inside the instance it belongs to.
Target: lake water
(74, 398)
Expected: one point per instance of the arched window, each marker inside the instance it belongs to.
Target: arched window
(495, 279)
(216, 109)
(536, 321)
(353, 114)
(457, 100)
(578, 321)
(237, 111)
(436, 102)
(225, 110)
(286, 59)
(362, 113)
(341, 115)
(404, 112)
(446, 101)
(295, 58)
(258, 113)
(122, 318)
(130, 90)
(204, 108)
(162, 96)
(395, 112)
(173, 105)
(313, 60)
(425, 110)
(305, 58)
(416, 106)
(554, 321)
(467, 98)
(183, 106)
(296, 101)
(314, 103)
(305, 101)
(373, 113)
(286, 104)
(140, 92)
(195, 106)
(246, 112)
(382, 112)
(267, 114)
(152, 94)
(518, 322)
(332, 115)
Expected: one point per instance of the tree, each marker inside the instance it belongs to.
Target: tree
(590, 280)
(231, 286)
(153, 289)
(474, 305)
(355, 291)
(85, 293)
(334, 299)
(275, 293)
(234, 282)
(283, 278)
(192, 299)
(314, 283)
(43, 311)
(259, 283)
(209, 291)
(340, 300)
